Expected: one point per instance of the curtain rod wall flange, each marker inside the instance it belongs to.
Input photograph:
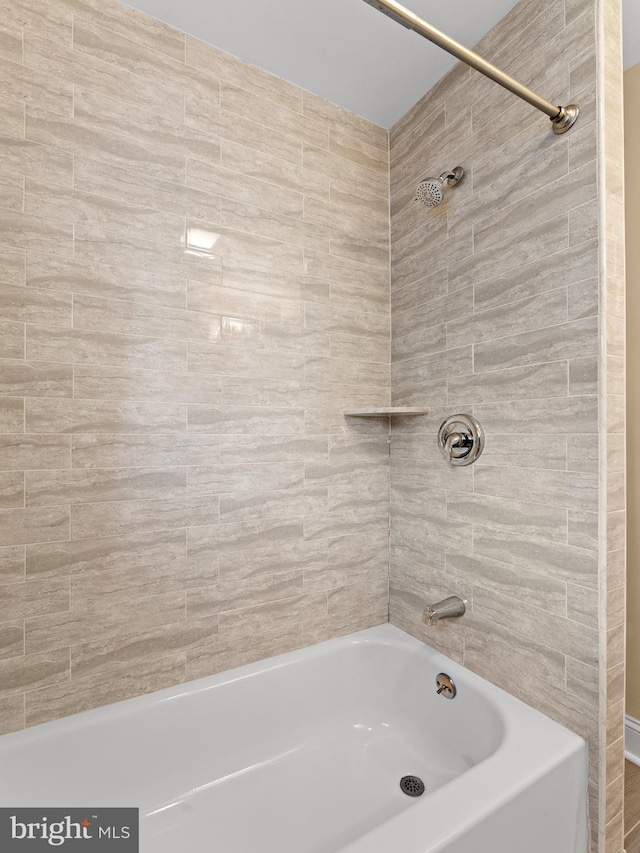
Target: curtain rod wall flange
(562, 118)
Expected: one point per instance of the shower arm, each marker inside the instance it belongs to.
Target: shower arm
(562, 118)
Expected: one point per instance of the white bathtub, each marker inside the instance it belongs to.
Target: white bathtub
(303, 753)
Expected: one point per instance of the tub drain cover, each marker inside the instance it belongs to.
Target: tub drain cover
(412, 786)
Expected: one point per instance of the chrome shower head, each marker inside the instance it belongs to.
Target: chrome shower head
(431, 190)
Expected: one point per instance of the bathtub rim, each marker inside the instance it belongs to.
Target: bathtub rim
(385, 634)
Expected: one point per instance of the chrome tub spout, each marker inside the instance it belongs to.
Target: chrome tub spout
(448, 608)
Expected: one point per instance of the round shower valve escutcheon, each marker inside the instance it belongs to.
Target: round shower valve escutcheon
(461, 440)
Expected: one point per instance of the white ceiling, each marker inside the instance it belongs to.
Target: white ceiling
(344, 50)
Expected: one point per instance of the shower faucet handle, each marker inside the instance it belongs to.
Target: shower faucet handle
(457, 444)
(461, 440)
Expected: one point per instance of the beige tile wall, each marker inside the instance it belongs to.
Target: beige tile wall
(179, 491)
(498, 305)
(612, 423)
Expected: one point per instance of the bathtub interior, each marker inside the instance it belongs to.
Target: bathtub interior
(306, 751)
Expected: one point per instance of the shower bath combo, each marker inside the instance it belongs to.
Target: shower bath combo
(491, 764)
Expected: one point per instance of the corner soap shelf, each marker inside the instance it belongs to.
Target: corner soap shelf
(389, 411)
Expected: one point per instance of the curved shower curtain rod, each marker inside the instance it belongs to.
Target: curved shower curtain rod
(562, 118)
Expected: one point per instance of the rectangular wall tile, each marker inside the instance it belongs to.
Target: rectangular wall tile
(41, 162)
(213, 600)
(247, 420)
(113, 451)
(35, 379)
(12, 340)
(107, 588)
(230, 184)
(12, 265)
(91, 313)
(118, 383)
(507, 320)
(237, 651)
(230, 477)
(267, 618)
(35, 88)
(46, 200)
(237, 361)
(12, 122)
(90, 555)
(288, 503)
(558, 343)
(570, 637)
(238, 536)
(513, 384)
(11, 489)
(139, 189)
(138, 648)
(124, 682)
(91, 38)
(540, 275)
(567, 489)
(11, 639)
(68, 416)
(529, 587)
(12, 564)
(41, 524)
(12, 713)
(28, 305)
(42, 633)
(23, 231)
(506, 514)
(61, 60)
(45, 343)
(132, 516)
(12, 191)
(81, 486)
(11, 414)
(122, 20)
(85, 140)
(251, 79)
(34, 598)
(228, 301)
(46, 272)
(33, 671)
